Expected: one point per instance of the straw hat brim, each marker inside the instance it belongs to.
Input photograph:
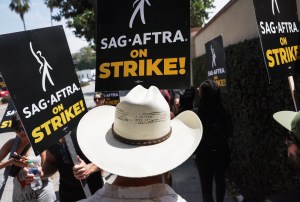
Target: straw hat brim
(285, 118)
(96, 141)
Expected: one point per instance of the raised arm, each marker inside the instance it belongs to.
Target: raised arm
(33, 53)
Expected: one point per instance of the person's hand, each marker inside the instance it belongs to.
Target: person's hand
(81, 171)
(17, 160)
(29, 177)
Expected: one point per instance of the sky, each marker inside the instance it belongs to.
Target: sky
(219, 4)
(39, 17)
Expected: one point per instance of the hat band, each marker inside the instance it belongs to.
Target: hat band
(140, 142)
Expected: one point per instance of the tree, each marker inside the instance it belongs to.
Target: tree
(51, 4)
(199, 11)
(85, 59)
(21, 7)
(80, 15)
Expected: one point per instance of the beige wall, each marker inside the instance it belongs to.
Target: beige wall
(235, 22)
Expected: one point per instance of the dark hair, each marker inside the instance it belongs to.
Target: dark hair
(210, 96)
(186, 100)
(100, 94)
(15, 120)
(210, 103)
(216, 120)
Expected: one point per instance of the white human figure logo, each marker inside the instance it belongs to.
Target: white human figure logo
(44, 65)
(139, 7)
(275, 2)
(213, 57)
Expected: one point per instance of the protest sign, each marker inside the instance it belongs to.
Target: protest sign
(215, 62)
(38, 70)
(278, 28)
(144, 42)
(111, 98)
(5, 124)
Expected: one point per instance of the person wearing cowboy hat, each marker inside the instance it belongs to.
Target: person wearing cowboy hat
(291, 121)
(137, 141)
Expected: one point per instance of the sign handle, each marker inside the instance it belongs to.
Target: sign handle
(73, 154)
(292, 88)
(7, 169)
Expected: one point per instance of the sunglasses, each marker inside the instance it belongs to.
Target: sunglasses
(290, 139)
(100, 99)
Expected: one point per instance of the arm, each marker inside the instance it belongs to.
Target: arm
(5, 150)
(33, 53)
(83, 170)
(49, 167)
(43, 157)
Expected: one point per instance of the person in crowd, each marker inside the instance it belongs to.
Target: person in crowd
(183, 99)
(167, 97)
(291, 121)
(186, 99)
(212, 154)
(58, 159)
(139, 151)
(99, 99)
(22, 191)
(175, 100)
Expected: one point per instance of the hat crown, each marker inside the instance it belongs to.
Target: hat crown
(143, 115)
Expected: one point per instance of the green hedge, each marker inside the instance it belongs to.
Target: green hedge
(259, 166)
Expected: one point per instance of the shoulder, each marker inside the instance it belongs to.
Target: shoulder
(8, 145)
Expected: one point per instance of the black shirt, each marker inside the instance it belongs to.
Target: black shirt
(70, 188)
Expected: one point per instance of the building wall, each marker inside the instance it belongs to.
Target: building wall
(235, 22)
(87, 74)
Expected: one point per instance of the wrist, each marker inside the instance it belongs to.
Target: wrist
(10, 162)
(94, 168)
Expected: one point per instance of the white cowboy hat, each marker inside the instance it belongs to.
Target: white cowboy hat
(290, 120)
(137, 138)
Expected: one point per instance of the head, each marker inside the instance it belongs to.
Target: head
(138, 136)
(17, 126)
(186, 101)
(291, 121)
(210, 97)
(209, 90)
(99, 99)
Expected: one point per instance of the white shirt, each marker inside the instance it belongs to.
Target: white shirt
(156, 192)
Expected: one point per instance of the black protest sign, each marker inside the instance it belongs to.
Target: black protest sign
(111, 98)
(38, 70)
(215, 62)
(277, 22)
(143, 42)
(5, 124)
